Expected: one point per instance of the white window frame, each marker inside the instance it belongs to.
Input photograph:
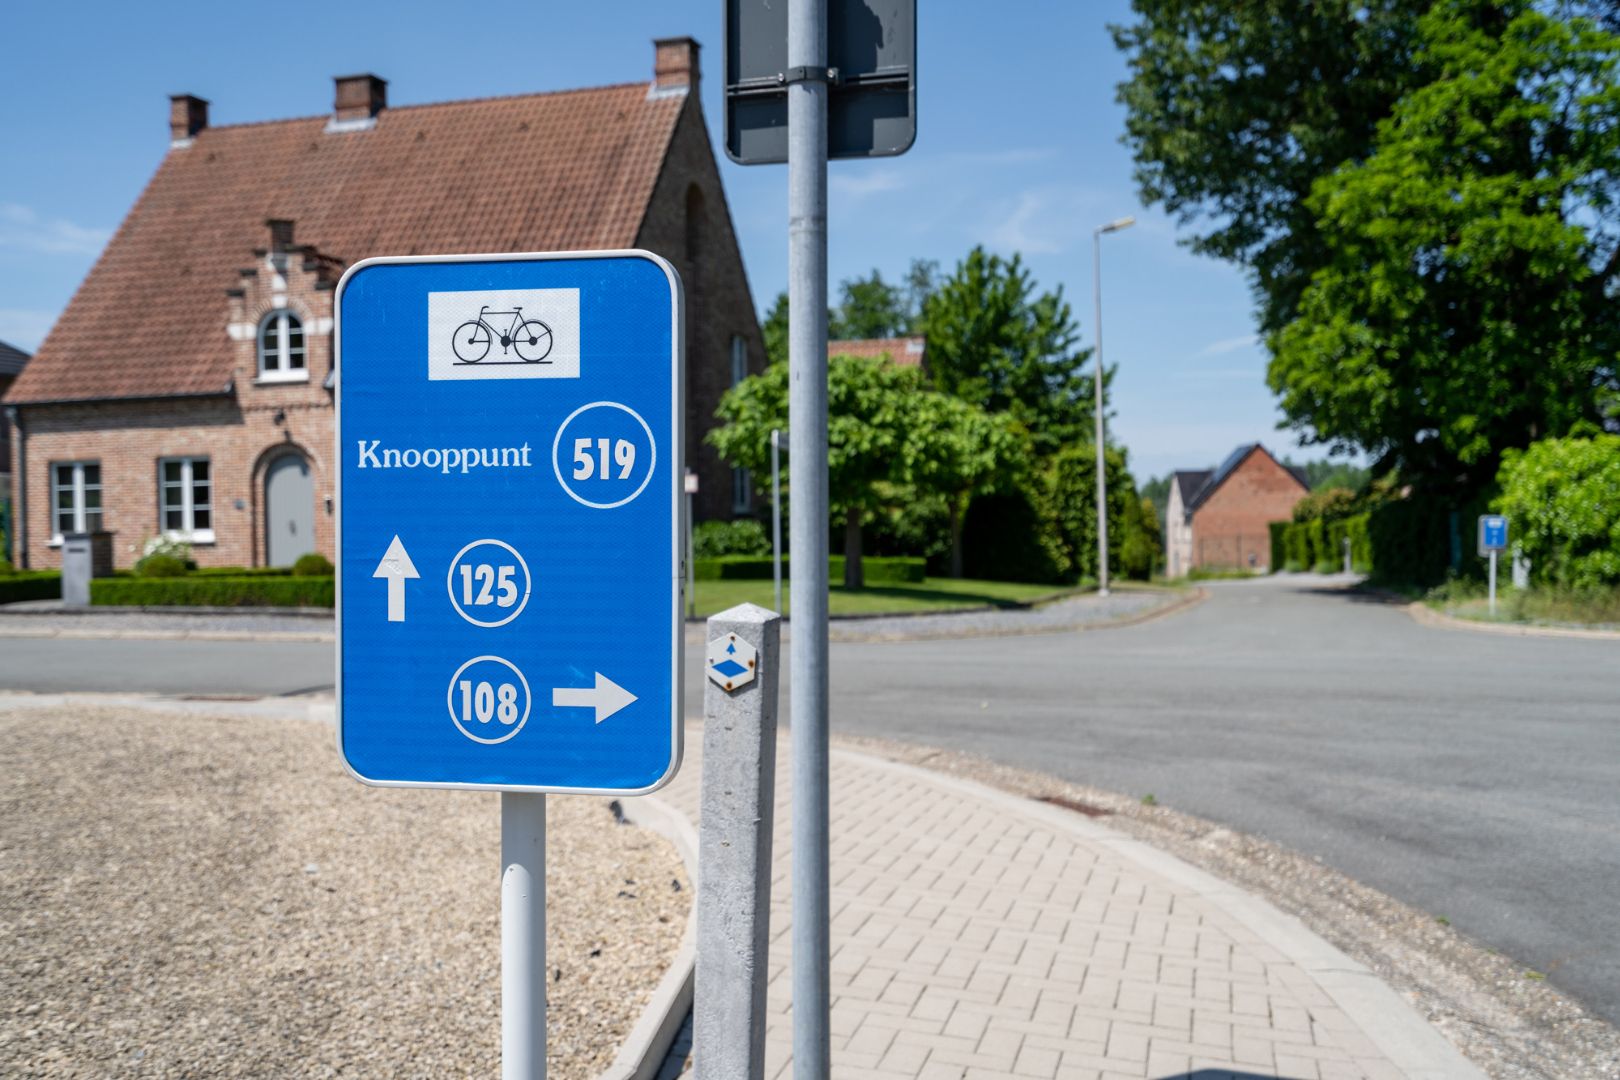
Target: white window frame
(280, 370)
(79, 487)
(188, 506)
(742, 486)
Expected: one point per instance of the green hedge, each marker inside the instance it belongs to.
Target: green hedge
(879, 569)
(31, 585)
(1279, 544)
(213, 591)
(241, 571)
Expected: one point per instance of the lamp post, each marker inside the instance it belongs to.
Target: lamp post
(1097, 396)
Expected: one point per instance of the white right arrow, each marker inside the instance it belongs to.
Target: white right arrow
(396, 566)
(606, 697)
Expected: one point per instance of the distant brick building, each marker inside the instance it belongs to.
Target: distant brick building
(902, 351)
(1220, 519)
(186, 390)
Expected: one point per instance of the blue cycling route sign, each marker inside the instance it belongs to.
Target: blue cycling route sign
(509, 440)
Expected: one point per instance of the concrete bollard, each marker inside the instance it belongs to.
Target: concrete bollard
(734, 842)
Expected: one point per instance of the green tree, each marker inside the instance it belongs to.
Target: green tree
(774, 328)
(870, 408)
(956, 451)
(1465, 304)
(1562, 501)
(868, 307)
(1070, 506)
(1235, 109)
(993, 342)
(1142, 548)
(1157, 492)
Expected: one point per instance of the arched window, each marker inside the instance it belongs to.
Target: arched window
(281, 348)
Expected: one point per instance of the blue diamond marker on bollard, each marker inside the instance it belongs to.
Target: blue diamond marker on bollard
(731, 662)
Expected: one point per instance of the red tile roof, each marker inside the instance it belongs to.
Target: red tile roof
(904, 351)
(560, 171)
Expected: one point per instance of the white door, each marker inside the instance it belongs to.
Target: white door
(289, 501)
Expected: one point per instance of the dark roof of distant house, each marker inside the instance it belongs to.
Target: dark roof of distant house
(904, 351)
(12, 359)
(562, 171)
(1191, 482)
(1213, 479)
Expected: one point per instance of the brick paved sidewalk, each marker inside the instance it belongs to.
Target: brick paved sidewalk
(977, 934)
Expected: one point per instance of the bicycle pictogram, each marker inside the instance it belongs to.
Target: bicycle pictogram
(529, 338)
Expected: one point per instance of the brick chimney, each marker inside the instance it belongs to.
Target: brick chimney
(359, 97)
(188, 114)
(675, 63)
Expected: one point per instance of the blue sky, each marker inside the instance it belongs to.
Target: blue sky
(1018, 149)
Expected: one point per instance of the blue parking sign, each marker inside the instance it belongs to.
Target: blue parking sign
(1493, 533)
(509, 440)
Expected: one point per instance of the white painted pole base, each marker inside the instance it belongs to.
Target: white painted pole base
(523, 936)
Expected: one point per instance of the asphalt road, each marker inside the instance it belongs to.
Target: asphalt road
(1473, 776)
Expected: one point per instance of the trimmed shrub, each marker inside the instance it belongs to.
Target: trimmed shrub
(1279, 544)
(312, 564)
(1003, 539)
(237, 571)
(1410, 543)
(161, 566)
(260, 591)
(1562, 501)
(716, 539)
(879, 570)
(30, 585)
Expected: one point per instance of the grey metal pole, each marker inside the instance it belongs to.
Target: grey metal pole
(734, 852)
(691, 562)
(523, 936)
(1097, 399)
(776, 514)
(1493, 583)
(807, 464)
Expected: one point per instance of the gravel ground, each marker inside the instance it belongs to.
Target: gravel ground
(1507, 1021)
(201, 894)
(1073, 614)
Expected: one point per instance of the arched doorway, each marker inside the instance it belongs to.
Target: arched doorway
(289, 510)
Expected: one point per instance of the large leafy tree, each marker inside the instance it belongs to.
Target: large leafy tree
(869, 411)
(957, 451)
(1236, 109)
(1465, 301)
(994, 342)
(868, 307)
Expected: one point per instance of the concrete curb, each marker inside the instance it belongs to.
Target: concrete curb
(1404, 1036)
(648, 1043)
(1425, 615)
(292, 636)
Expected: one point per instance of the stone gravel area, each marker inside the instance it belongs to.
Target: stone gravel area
(1075, 613)
(205, 893)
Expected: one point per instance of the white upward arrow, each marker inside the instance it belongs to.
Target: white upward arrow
(606, 697)
(396, 566)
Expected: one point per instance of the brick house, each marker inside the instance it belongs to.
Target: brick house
(902, 351)
(1219, 519)
(185, 391)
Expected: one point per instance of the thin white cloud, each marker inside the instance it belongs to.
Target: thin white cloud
(22, 229)
(1048, 220)
(25, 328)
(1229, 345)
(861, 184)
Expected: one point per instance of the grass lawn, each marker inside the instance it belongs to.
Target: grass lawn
(1597, 609)
(932, 594)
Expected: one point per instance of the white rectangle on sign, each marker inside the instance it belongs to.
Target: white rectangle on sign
(504, 334)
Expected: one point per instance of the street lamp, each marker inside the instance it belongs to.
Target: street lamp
(1097, 396)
